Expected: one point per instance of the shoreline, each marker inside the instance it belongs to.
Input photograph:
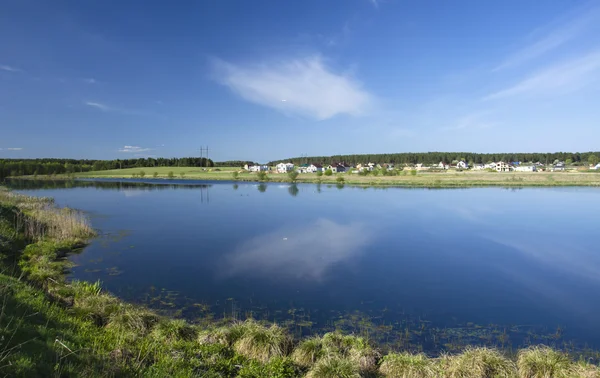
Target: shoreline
(420, 180)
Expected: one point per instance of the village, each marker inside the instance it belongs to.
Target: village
(501, 166)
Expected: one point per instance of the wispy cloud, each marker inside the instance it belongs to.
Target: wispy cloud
(375, 3)
(558, 79)
(90, 80)
(134, 149)
(473, 121)
(300, 86)
(555, 38)
(111, 109)
(98, 105)
(12, 149)
(5, 67)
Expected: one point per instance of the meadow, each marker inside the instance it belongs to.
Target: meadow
(50, 326)
(450, 178)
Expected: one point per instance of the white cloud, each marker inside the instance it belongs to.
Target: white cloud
(98, 105)
(308, 87)
(558, 79)
(556, 38)
(12, 149)
(134, 149)
(4, 67)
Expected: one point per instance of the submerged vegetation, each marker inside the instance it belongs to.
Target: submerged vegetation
(52, 327)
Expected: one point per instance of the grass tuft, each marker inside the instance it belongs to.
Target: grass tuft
(308, 351)
(406, 365)
(478, 363)
(261, 343)
(334, 367)
(544, 362)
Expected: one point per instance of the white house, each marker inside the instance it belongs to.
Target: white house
(503, 167)
(284, 167)
(560, 166)
(478, 167)
(597, 166)
(443, 165)
(490, 166)
(258, 168)
(462, 165)
(526, 168)
(313, 168)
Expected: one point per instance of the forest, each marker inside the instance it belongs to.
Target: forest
(20, 167)
(447, 157)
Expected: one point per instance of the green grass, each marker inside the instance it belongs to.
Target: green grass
(431, 179)
(53, 328)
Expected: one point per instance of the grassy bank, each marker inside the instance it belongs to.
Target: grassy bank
(51, 327)
(428, 179)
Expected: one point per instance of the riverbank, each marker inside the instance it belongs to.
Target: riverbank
(422, 179)
(54, 327)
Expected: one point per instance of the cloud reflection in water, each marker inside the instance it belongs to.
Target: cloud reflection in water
(305, 252)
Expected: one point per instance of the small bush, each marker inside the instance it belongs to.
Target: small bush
(155, 174)
(328, 172)
(262, 176)
(319, 173)
(413, 172)
(293, 175)
(142, 174)
(171, 175)
(340, 179)
(182, 174)
(173, 330)
(235, 175)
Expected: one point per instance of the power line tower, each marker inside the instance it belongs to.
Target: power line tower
(202, 151)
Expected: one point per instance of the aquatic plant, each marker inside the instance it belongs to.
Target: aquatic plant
(544, 362)
(406, 365)
(478, 363)
(334, 367)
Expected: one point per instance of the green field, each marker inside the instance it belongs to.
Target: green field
(421, 179)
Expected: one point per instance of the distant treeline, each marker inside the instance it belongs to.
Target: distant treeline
(446, 157)
(20, 167)
(232, 163)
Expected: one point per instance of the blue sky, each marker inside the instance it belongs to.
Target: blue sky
(263, 80)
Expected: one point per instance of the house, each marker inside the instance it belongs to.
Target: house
(478, 167)
(362, 167)
(389, 166)
(258, 168)
(443, 165)
(313, 168)
(462, 165)
(490, 166)
(597, 166)
(526, 168)
(248, 166)
(341, 168)
(284, 167)
(558, 167)
(503, 167)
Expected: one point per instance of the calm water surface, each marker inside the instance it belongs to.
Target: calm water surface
(415, 267)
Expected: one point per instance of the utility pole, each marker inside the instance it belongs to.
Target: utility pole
(202, 150)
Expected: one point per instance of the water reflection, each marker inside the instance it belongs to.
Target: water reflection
(293, 190)
(302, 252)
(262, 187)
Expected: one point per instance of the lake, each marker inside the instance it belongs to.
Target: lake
(416, 268)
